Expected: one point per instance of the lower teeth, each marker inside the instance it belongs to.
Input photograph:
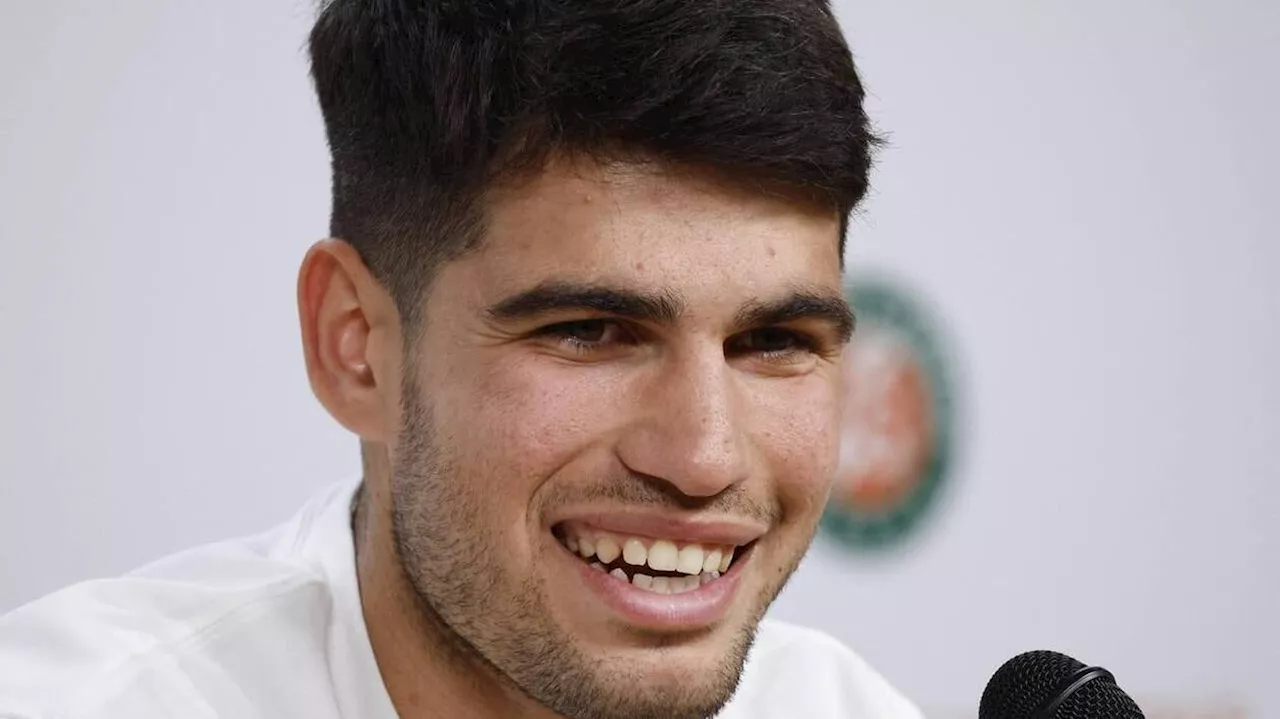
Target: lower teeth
(661, 585)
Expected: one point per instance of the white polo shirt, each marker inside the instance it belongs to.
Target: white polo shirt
(270, 627)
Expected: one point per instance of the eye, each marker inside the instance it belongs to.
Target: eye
(773, 344)
(585, 331)
(587, 335)
(772, 339)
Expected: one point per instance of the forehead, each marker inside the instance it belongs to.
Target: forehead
(649, 225)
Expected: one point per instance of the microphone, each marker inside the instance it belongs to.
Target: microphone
(1049, 685)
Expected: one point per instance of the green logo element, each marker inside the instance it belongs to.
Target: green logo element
(898, 432)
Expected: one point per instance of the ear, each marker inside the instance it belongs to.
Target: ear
(351, 340)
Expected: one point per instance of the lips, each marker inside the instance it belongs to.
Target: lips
(663, 566)
(656, 582)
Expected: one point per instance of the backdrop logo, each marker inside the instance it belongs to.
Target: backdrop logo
(897, 434)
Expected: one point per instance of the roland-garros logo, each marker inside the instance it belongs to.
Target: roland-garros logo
(898, 432)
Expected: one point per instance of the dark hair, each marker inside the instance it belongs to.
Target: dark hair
(426, 102)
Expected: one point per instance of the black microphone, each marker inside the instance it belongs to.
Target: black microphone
(1049, 685)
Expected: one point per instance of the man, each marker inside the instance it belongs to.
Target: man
(583, 308)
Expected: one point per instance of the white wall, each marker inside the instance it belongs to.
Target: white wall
(1085, 189)
(162, 171)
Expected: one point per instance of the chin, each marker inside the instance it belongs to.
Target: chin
(682, 681)
(709, 660)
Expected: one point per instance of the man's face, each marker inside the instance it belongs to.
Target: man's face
(619, 423)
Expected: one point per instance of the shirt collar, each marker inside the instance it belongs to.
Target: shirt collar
(357, 684)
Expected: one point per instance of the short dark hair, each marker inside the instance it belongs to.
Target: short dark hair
(427, 102)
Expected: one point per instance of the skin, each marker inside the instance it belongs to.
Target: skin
(609, 345)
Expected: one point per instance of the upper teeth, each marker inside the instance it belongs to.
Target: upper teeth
(660, 554)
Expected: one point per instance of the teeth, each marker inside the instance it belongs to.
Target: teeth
(690, 560)
(712, 562)
(634, 553)
(680, 585)
(607, 549)
(662, 585)
(663, 556)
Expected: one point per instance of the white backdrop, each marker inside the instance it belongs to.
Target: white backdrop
(1085, 189)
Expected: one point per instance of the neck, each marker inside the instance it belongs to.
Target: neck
(426, 670)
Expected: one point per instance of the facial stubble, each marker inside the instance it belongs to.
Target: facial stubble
(480, 615)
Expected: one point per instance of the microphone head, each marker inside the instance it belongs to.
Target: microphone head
(1049, 685)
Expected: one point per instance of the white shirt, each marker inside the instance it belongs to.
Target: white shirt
(270, 627)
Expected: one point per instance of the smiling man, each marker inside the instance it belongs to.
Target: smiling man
(583, 308)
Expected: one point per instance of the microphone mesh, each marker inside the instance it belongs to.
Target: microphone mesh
(1099, 698)
(1024, 683)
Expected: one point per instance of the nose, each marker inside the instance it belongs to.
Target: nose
(690, 430)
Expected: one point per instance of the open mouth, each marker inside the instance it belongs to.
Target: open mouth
(661, 566)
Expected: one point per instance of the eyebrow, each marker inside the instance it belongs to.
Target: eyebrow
(802, 304)
(666, 308)
(560, 296)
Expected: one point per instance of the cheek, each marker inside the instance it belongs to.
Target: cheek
(529, 415)
(800, 439)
